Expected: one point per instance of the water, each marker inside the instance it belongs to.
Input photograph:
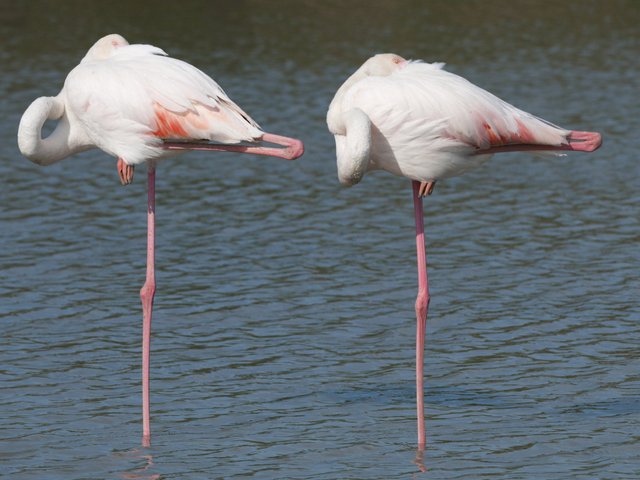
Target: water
(284, 326)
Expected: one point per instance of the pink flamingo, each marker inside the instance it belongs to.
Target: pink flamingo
(416, 120)
(139, 105)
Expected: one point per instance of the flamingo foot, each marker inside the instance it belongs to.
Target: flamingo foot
(125, 172)
(426, 188)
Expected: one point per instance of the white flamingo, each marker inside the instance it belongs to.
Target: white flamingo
(419, 121)
(139, 105)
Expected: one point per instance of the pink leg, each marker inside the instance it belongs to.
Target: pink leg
(293, 147)
(577, 141)
(146, 294)
(422, 306)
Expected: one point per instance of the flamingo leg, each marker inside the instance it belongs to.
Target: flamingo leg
(293, 147)
(422, 306)
(146, 295)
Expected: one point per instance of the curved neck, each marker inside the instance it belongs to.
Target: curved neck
(354, 148)
(352, 130)
(56, 146)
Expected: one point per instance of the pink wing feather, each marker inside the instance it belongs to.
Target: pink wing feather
(201, 122)
(438, 104)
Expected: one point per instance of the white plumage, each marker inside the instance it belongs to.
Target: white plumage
(417, 120)
(125, 99)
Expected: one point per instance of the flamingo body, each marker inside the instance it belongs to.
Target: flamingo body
(424, 123)
(129, 100)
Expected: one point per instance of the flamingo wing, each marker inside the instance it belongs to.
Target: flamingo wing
(424, 101)
(130, 102)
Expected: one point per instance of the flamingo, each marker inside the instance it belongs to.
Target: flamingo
(416, 120)
(139, 105)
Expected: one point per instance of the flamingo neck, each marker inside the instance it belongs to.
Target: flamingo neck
(354, 148)
(352, 130)
(57, 146)
(335, 119)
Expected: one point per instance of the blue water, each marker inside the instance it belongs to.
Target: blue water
(283, 335)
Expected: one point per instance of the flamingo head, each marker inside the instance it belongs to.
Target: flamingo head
(105, 47)
(383, 64)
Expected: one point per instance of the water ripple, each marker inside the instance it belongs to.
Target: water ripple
(284, 326)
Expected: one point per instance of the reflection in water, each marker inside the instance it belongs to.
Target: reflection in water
(419, 461)
(140, 472)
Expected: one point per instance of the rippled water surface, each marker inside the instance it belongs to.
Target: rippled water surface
(283, 336)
